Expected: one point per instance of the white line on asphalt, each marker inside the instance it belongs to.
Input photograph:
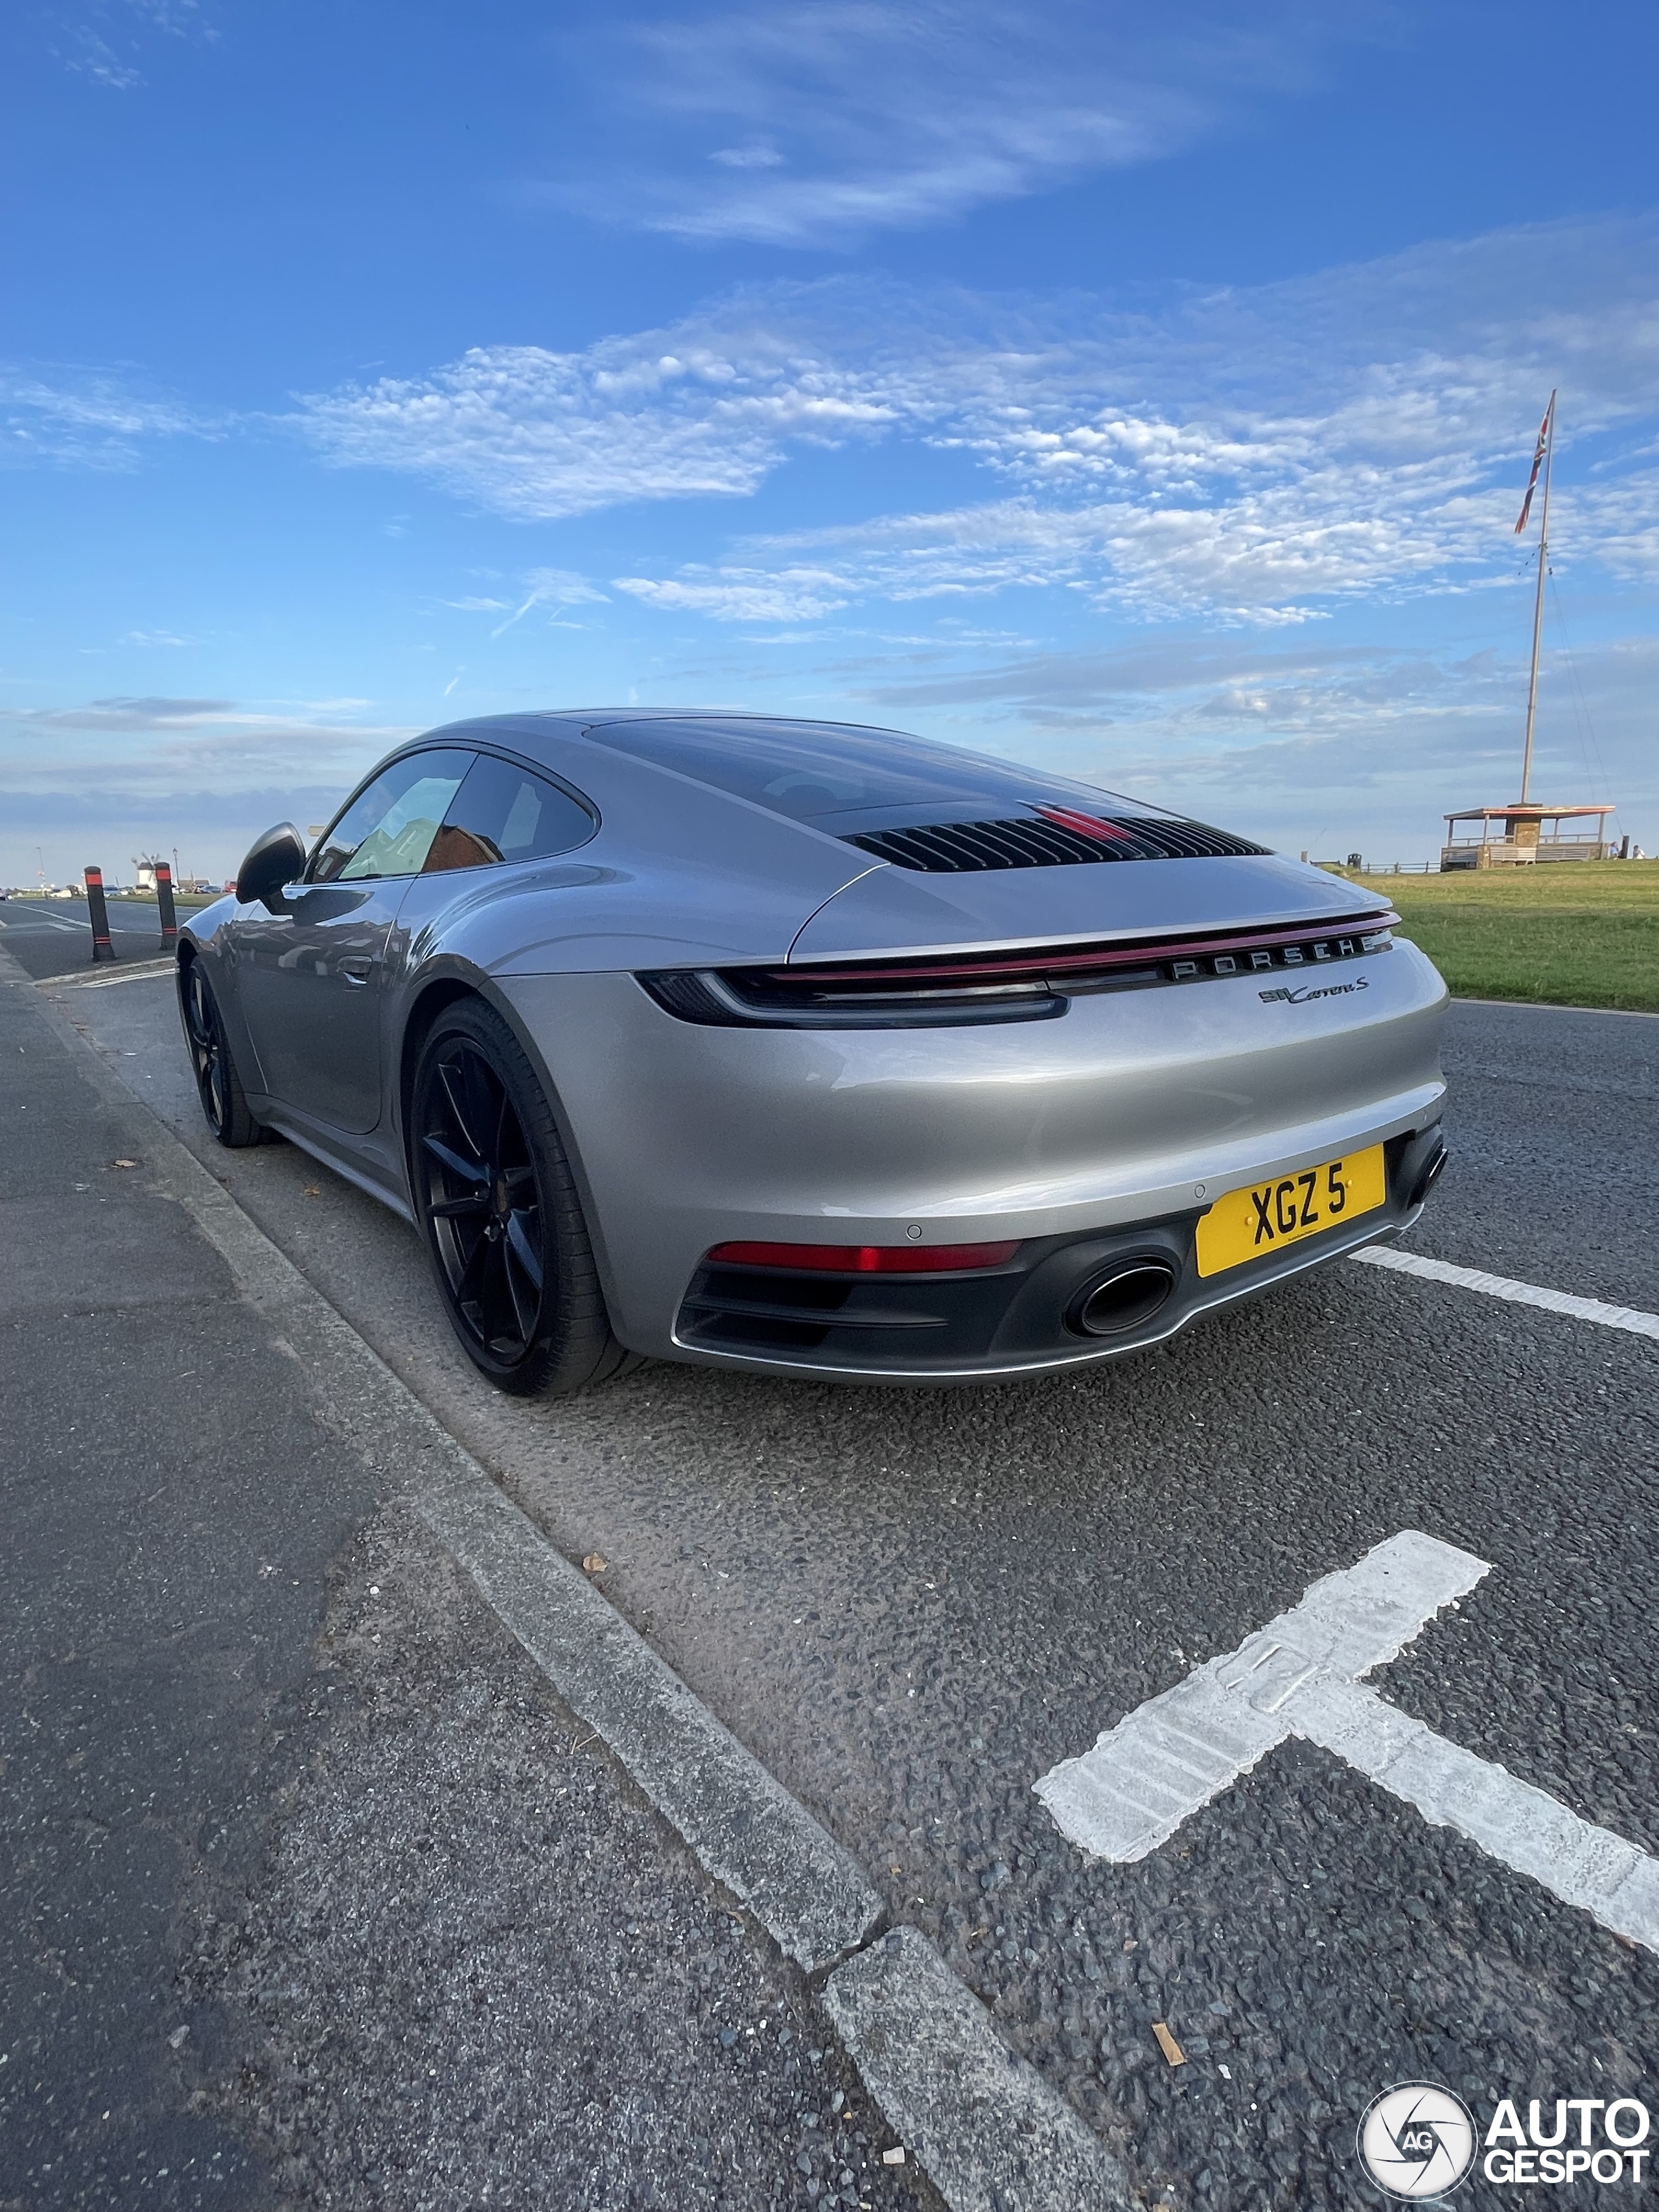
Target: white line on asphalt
(1171, 1755)
(1543, 1006)
(1521, 1294)
(141, 971)
(1299, 1676)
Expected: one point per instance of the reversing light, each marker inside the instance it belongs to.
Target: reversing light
(865, 1259)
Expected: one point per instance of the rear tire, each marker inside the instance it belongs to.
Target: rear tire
(218, 1085)
(499, 1210)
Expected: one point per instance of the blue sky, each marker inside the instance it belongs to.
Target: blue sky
(1145, 391)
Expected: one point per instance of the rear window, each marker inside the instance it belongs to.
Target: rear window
(820, 772)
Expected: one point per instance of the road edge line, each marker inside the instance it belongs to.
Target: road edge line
(1632, 1319)
(1553, 1007)
(141, 971)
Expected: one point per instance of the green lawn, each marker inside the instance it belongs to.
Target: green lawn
(1571, 933)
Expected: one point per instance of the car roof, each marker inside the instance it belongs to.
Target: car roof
(836, 776)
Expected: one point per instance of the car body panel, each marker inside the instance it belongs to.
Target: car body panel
(893, 910)
(309, 980)
(691, 1136)
(655, 880)
(1130, 1106)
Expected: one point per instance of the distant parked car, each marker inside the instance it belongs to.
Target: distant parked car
(812, 1050)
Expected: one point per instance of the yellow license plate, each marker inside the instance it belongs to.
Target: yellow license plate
(1248, 1224)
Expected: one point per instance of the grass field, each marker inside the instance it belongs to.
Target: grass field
(1573, 933)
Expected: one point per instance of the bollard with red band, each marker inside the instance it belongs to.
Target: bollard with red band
(102, 947)
(164, 900)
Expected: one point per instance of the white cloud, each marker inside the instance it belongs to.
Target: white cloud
(552, 587)
(743, 595)
(206, 746)
(1260, 455)
(747, 157)
(111, 777)
(1303, 742)
(87, 419)
(705, 409)
(867, 114)
(103, 42)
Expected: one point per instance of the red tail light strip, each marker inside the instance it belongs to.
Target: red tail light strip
(865, 1259)
(991, 970)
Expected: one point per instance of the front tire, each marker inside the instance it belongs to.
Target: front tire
(218, 1085)
(498, 1207)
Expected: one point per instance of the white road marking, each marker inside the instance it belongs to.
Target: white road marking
(141, 971)
(1543, 1006)
(1521, 1294)
(1300, 1676)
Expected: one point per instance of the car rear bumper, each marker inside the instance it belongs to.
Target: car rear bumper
(1078, 1139)
(1018, 1318)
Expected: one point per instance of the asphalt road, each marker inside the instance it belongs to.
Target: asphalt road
(53, 937)
(911, 1605)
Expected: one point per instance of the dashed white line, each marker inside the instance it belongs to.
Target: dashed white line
(1521, 1294)
(1300, 1677)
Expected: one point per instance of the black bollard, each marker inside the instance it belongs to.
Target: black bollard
(102, 947)
(164, 900)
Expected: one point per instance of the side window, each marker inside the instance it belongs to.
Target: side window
(388, 829)
(505, 813)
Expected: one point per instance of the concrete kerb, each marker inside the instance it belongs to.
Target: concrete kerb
(924, 2045)
(983, 2124)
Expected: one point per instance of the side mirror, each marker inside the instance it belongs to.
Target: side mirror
(274, 860)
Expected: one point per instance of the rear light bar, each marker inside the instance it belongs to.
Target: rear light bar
(1295, 946)
(865, 1259)
(1035, 984)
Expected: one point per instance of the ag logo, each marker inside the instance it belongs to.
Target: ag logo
(1417, 2140)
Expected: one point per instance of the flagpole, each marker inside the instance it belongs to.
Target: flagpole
(1538, 603)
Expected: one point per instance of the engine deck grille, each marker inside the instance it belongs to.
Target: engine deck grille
(1054, 838)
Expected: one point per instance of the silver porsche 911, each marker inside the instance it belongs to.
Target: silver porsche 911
(813, 1049)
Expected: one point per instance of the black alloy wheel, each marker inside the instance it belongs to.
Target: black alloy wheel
(498, 1205)
(217, 1084)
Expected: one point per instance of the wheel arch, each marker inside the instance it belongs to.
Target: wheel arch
(444, 988)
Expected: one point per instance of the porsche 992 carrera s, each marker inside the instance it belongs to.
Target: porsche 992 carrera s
(814, 1050)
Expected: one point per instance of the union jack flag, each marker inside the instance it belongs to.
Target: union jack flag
(1537, 463)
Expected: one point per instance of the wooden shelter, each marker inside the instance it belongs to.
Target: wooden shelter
(1516, 836)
